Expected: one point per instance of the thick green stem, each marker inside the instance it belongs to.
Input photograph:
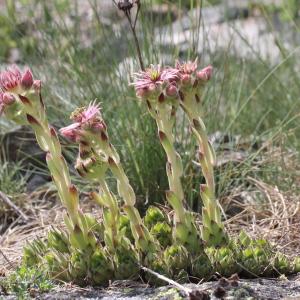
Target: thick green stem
(104, 149)
(48, 141)
(140, 232)
(111, 213)
(213, 230)
(185, 231)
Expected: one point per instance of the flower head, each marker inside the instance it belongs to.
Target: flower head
(190, 76)
(205, 74)
(87, 114)
(12, 80)
(154, 79)
(85, 118)
(188, 67)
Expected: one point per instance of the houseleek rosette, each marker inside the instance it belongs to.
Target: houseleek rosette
(158, 224)
(191, 85)
(158, 88)
(96, 155)
(21, 102)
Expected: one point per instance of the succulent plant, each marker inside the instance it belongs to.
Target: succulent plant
(33, 252)
(296, 264)
(126, 262)
(21, 101)
(153, 216)
(224, 260)
(158, 88)
(200, 266)
(78, 266)
(92, 252)
(156, 263)
(101, 267)
(177, 259)
(58, 240)
(190, 87)
(158, 224)
(282, 264)
(96, 155)
(125, 228)
(162, 232)
(255, 261)
(57, 265)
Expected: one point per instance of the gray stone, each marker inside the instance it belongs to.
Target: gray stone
(234, 289)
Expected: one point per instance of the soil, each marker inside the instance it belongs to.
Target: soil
(232, 289)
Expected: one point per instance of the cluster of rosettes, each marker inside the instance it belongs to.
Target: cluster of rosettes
(156, 83)
(14, 82)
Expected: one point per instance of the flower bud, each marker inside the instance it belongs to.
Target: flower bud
(185, 79)
(171, 90)
(142, 93)
(27, 79)
(205, 74)
(37, 84)
(7, 98)
(70, 132)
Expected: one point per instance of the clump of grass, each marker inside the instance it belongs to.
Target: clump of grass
(25, 281)
(12, 181)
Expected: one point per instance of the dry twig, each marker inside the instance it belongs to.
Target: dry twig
(8, 202)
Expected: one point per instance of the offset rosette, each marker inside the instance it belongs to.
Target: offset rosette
(160, 90)
(158, 224)
(177, 259)
(57, 265)
(58, 240)
(126, 262)
(101, 267)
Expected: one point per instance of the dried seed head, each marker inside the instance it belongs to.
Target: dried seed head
(125, 5)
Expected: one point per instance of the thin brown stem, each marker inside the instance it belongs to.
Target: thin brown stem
(8, 202)
(132, 24)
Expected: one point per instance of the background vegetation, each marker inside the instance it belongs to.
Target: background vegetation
(250, 103)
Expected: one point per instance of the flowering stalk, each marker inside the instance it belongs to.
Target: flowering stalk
(91, 168)
(191, 89)
(159, 89)
(21, 101)
(89, 130)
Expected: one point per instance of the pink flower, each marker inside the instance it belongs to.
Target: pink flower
(87, 115)
(188, 67)
(190, 76)
(85, 118)
(71, 132)
(205, 74)
(12, 80)
(153, 78)
(27, 79)
(6, 99)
